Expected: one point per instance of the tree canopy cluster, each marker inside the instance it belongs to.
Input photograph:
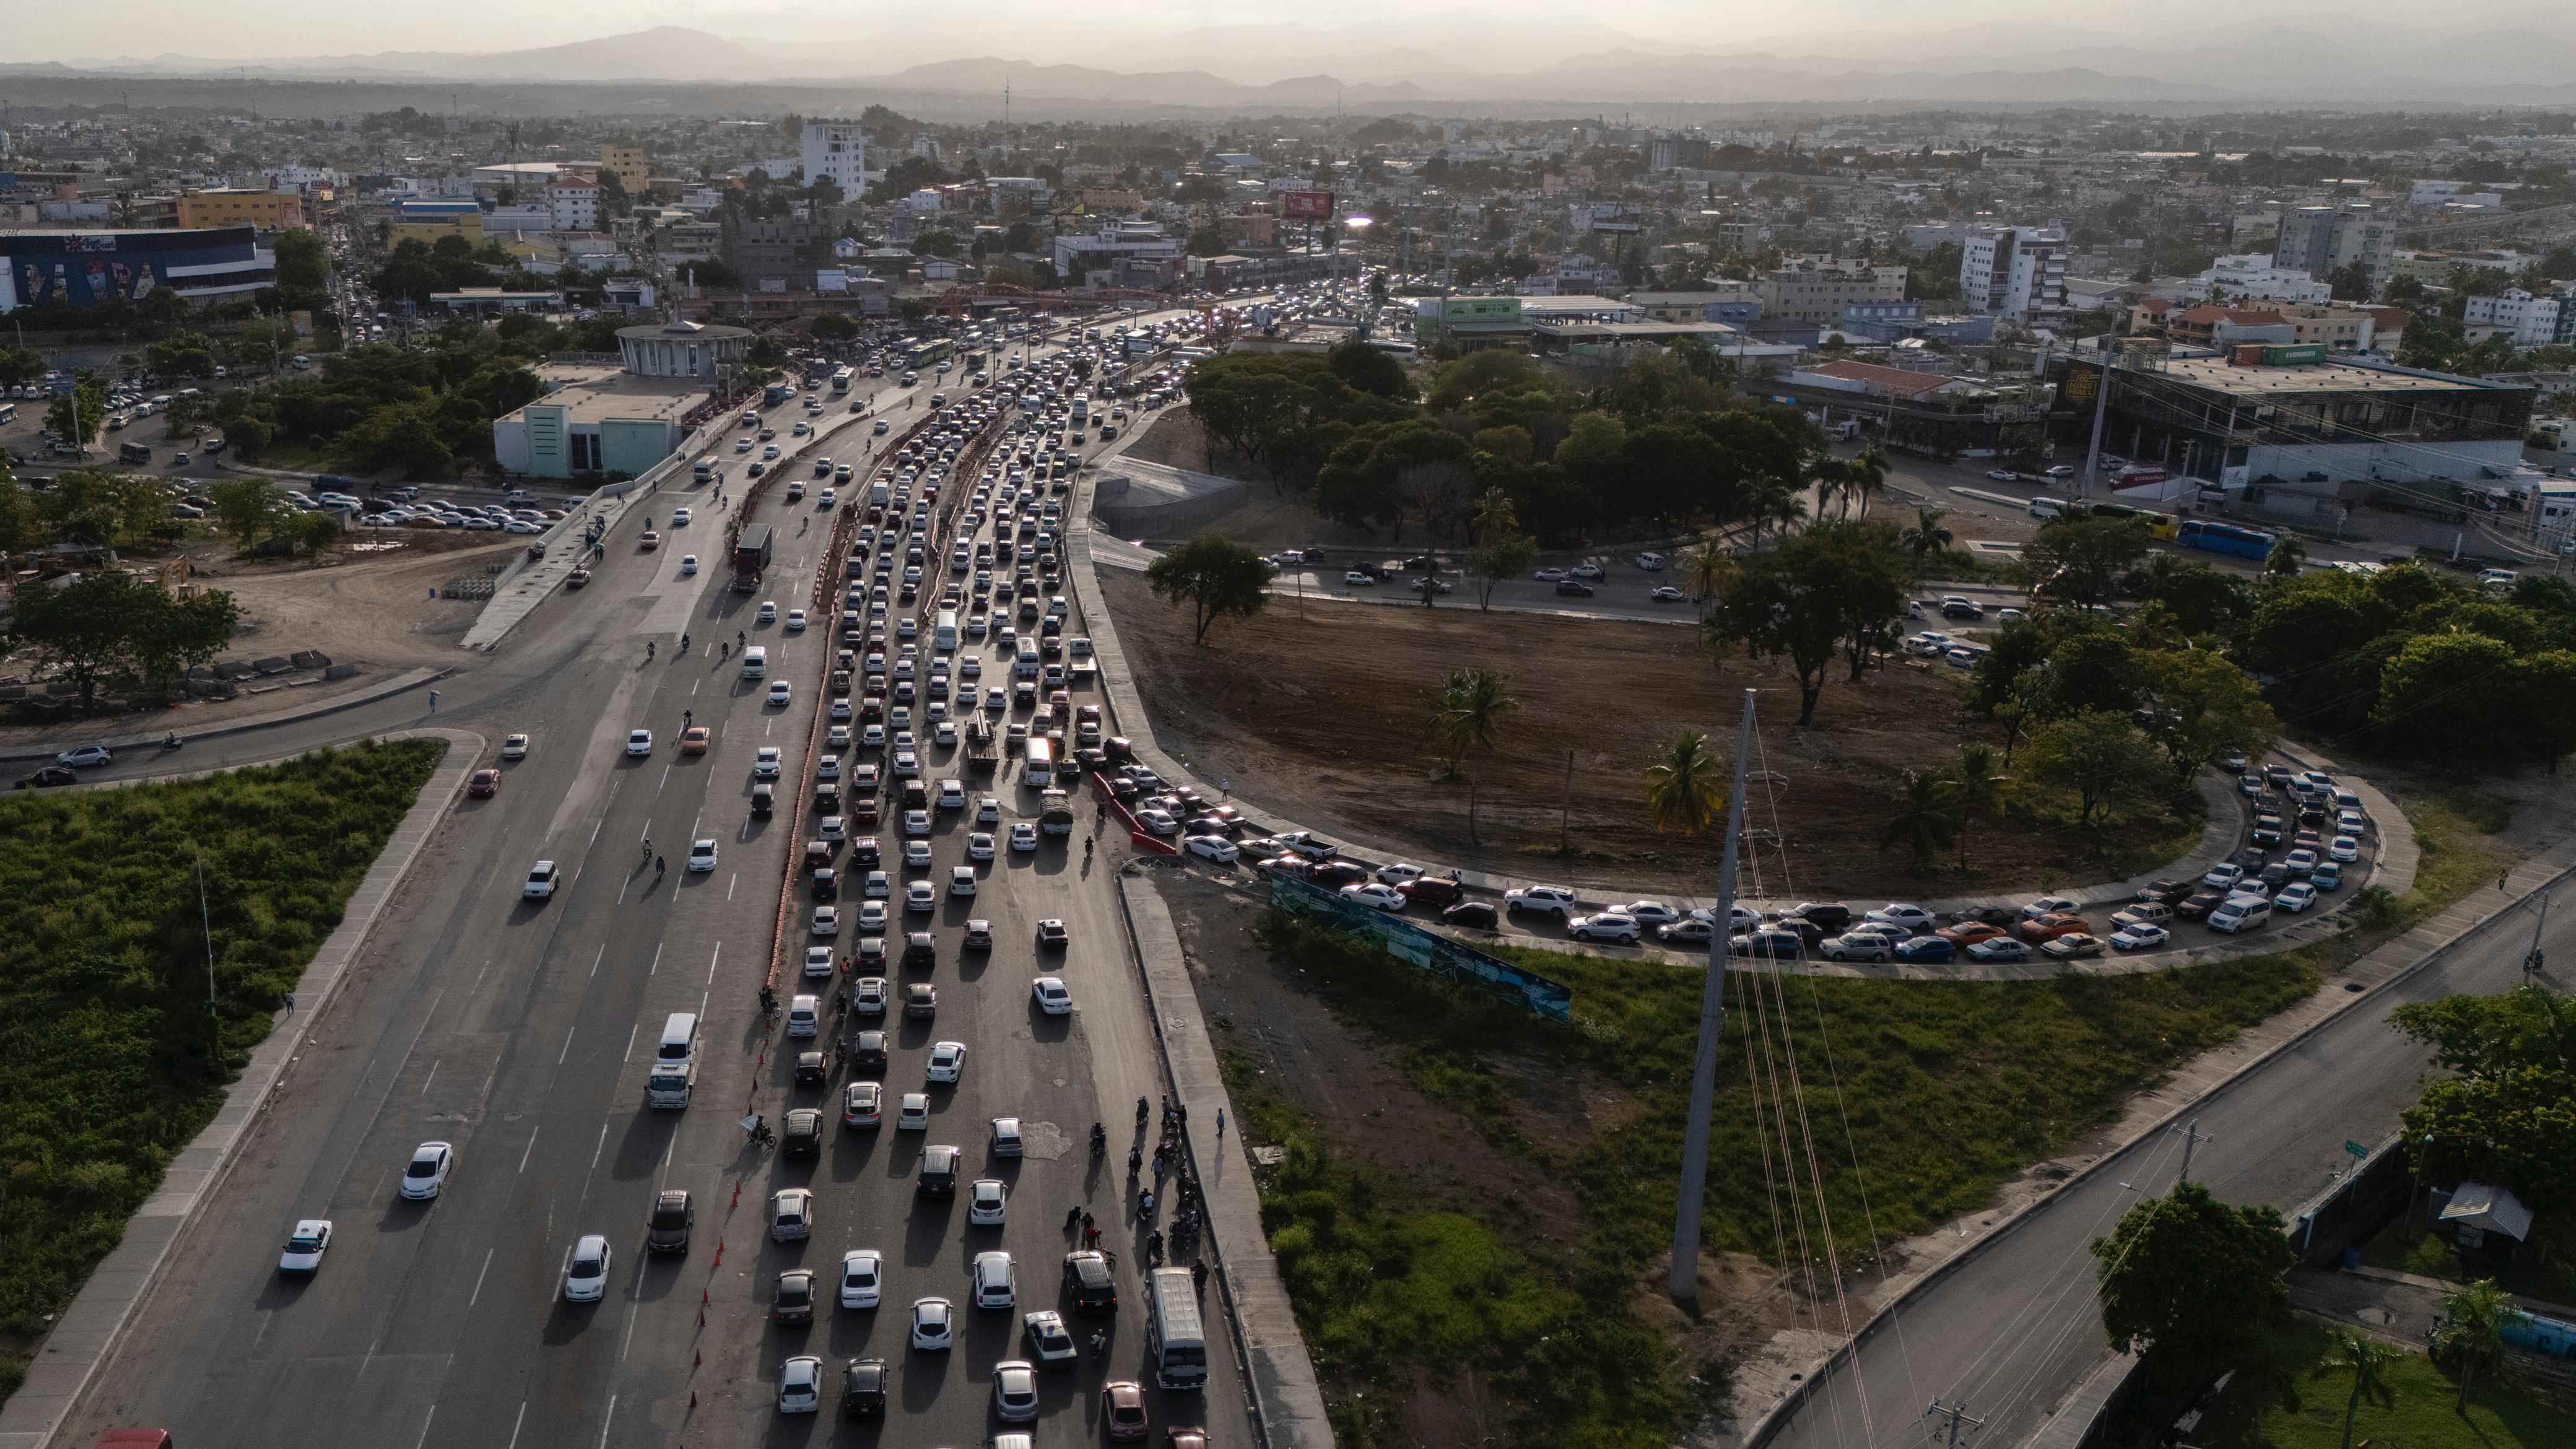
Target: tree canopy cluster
(2506, 1114)
(381, 407)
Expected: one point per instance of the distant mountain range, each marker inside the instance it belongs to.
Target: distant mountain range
(1260, 68)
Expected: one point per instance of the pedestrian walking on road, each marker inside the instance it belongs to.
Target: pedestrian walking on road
(433, 701)
(1072, 1215)
(1220, 1124)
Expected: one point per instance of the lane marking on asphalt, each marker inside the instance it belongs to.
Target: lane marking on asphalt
(561, 1274)
(712, 957)
(524, 1154)
(665, 781)
(566, 1053)
(604, 1422)
(432, 1077)
(730, 882)
(634, 1304)
(517, 1422)
(424, 1427)
(630, 1042)
(594, 961)
(594, 1157)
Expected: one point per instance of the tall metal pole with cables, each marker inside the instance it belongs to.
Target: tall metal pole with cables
(1712, 1018)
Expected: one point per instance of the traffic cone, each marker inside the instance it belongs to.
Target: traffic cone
(693, 1399)
(696, 1359)
(719, 1252)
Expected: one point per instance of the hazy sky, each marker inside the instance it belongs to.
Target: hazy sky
(1029, 30)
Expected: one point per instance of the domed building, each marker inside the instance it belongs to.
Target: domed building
(683, 349)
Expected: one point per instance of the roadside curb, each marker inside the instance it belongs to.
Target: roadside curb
(1772, 1420)
(1278, 1373)
(384, 689)
(90, 1328)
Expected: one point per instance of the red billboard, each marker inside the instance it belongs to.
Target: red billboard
(1306, 205)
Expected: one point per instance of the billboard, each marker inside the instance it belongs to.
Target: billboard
(1445, 958)
(1306, 205)
(85, 268)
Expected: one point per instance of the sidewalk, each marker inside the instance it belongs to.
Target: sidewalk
(1287, 1401)
(87, 1332)
(332, 704)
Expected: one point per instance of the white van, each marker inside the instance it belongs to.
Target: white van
(755, 662)
(2240, 913)
(1025, 665)
(2044, 506)
(675, 1063)
(943, 634)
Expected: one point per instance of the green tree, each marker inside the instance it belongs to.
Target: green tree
(403, 436)
(1466, 714)
(1785, 605)
(2350, 283)
(2422, 708)
(317, 532)
(2097, 754)
(2203, 709)
(248, 508)
(2080, 560)
(1215, 577)
(77, 415)
(1502, 551)
(833, 327)
(303, 267)
(108, 622)
(2367, 1360)
(20, 366)
(19, 527)
(1684, 789)
(2501, 1115)
(2192, 1284)
(1926, 819)
(2204, 601)
(2287, 557)
(2470, 1337)
(1977, 788)
(109, 510)
(1928, 539)
(1370, 369)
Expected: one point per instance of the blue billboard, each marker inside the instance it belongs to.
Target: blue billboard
(1443, 957)
(85, 268)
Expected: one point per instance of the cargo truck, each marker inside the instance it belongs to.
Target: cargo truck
(752, 550)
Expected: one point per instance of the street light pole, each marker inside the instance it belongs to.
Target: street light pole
(1684, 1281)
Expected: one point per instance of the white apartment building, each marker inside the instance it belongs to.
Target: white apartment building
(1114, 239)
(2530, 321)
(2013, 271)
(835, 149)
(2250, 276)
(575, 205)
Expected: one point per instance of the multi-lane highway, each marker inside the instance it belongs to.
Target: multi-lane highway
(520, 1032)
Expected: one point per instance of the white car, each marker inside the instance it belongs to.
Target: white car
(947, 1062)
(425, 1176)
(988, 811)
(916, 854)
(986, 1203)
(679, 518)
(2139, 936)
(827, 921)
(541, 881)
(515, 747)
(2343, 848)
(920, 896)
(639, 742)
(1911, 918)
(1651, 913)
(934, 1324)
(1052, 995)
(820, 963)
(688, 565)
(912, 1112)
(586, 1273)
(768, 612)
(996, 1282)
(1047, 1336)
(780, 691)
(961, 878)
(795, 620)
(1375, 896)
(1024, 837)
(800, 1385)
(862, 1278)
(1858, 946)
(1212, 847)
(1398, 873)
(702, 855)
(764, 763)
(1552, 900)
(1015, 1391)
(2295, 897)
(305, 1247)
(2051, 906)
(791, 1215)
(1611, 926)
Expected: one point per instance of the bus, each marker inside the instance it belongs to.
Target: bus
(1037, 771)
(1175, 1340)
(2226, 538)
(841, 382)
(1081, 408)
(930, 352)
(943, 635)
(133, 453)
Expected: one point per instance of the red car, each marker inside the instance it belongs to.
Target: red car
(1122, 1409)
(484, 785)
(1433, 890)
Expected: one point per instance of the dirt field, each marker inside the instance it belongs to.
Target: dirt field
(372, 610)
(1322, 718)
(1355, 1088)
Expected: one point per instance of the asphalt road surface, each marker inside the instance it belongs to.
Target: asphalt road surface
(2011, 1333)
(519, 1031)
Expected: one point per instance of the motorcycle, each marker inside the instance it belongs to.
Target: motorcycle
(171, 742)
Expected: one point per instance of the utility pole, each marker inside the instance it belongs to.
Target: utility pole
(1951, 1417)
(2101, 402)
(1684, 1282)
(2190, 1139)
(214, 1013)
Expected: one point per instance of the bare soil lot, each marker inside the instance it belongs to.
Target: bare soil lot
(1320, 715)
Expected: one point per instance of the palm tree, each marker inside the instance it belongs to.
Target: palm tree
(1925, 824)
(2471, 1333)
(1683, 787)
(1776, 501)
(1467, 711)
(1927, 537)
(1863, 475)
(2368, 1359)
(2285, 558)
(1707, 566)
(1978, 787)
